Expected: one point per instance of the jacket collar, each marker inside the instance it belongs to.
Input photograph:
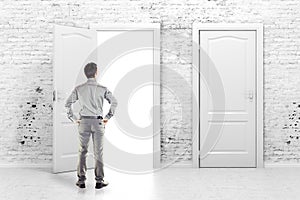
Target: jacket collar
(92, 80)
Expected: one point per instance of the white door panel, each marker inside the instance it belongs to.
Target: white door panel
(73, 47)
(232, 54)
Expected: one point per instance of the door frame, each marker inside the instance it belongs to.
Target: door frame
(155, 27)
(258, 28)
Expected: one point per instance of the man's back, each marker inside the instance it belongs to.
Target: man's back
(91, 96)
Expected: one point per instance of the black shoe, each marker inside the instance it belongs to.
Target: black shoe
(101, 184)
(80, 185)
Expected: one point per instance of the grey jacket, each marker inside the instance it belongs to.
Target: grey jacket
(91, 96)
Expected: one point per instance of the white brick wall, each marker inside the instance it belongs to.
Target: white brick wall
(26, 67)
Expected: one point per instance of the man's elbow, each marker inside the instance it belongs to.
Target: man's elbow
(67, 106)
(67, 103)
(115, 103)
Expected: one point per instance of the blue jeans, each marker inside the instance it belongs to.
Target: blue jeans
(86, 128)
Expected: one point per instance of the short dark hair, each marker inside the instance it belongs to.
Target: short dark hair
(90, 70)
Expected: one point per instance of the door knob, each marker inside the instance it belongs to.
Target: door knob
(250, 95)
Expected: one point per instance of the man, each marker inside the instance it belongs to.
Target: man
(91, 122)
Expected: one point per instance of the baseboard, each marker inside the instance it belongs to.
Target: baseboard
(281, 165)
(188, 164)
(21, 165)
(182, 164)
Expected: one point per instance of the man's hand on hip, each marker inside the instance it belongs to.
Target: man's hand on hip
(105, 121)
(77, 121)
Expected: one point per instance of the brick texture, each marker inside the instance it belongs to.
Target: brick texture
(26, 36)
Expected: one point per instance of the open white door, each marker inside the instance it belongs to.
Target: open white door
(128, 62)
(73, 48)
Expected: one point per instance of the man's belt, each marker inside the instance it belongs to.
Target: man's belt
(91, 117)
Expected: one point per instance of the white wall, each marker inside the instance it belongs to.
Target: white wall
(26, 68)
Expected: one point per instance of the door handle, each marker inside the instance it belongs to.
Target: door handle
(54, 95)
(250, 95)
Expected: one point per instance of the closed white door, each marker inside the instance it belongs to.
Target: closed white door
(73, 48)
(227, 126)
